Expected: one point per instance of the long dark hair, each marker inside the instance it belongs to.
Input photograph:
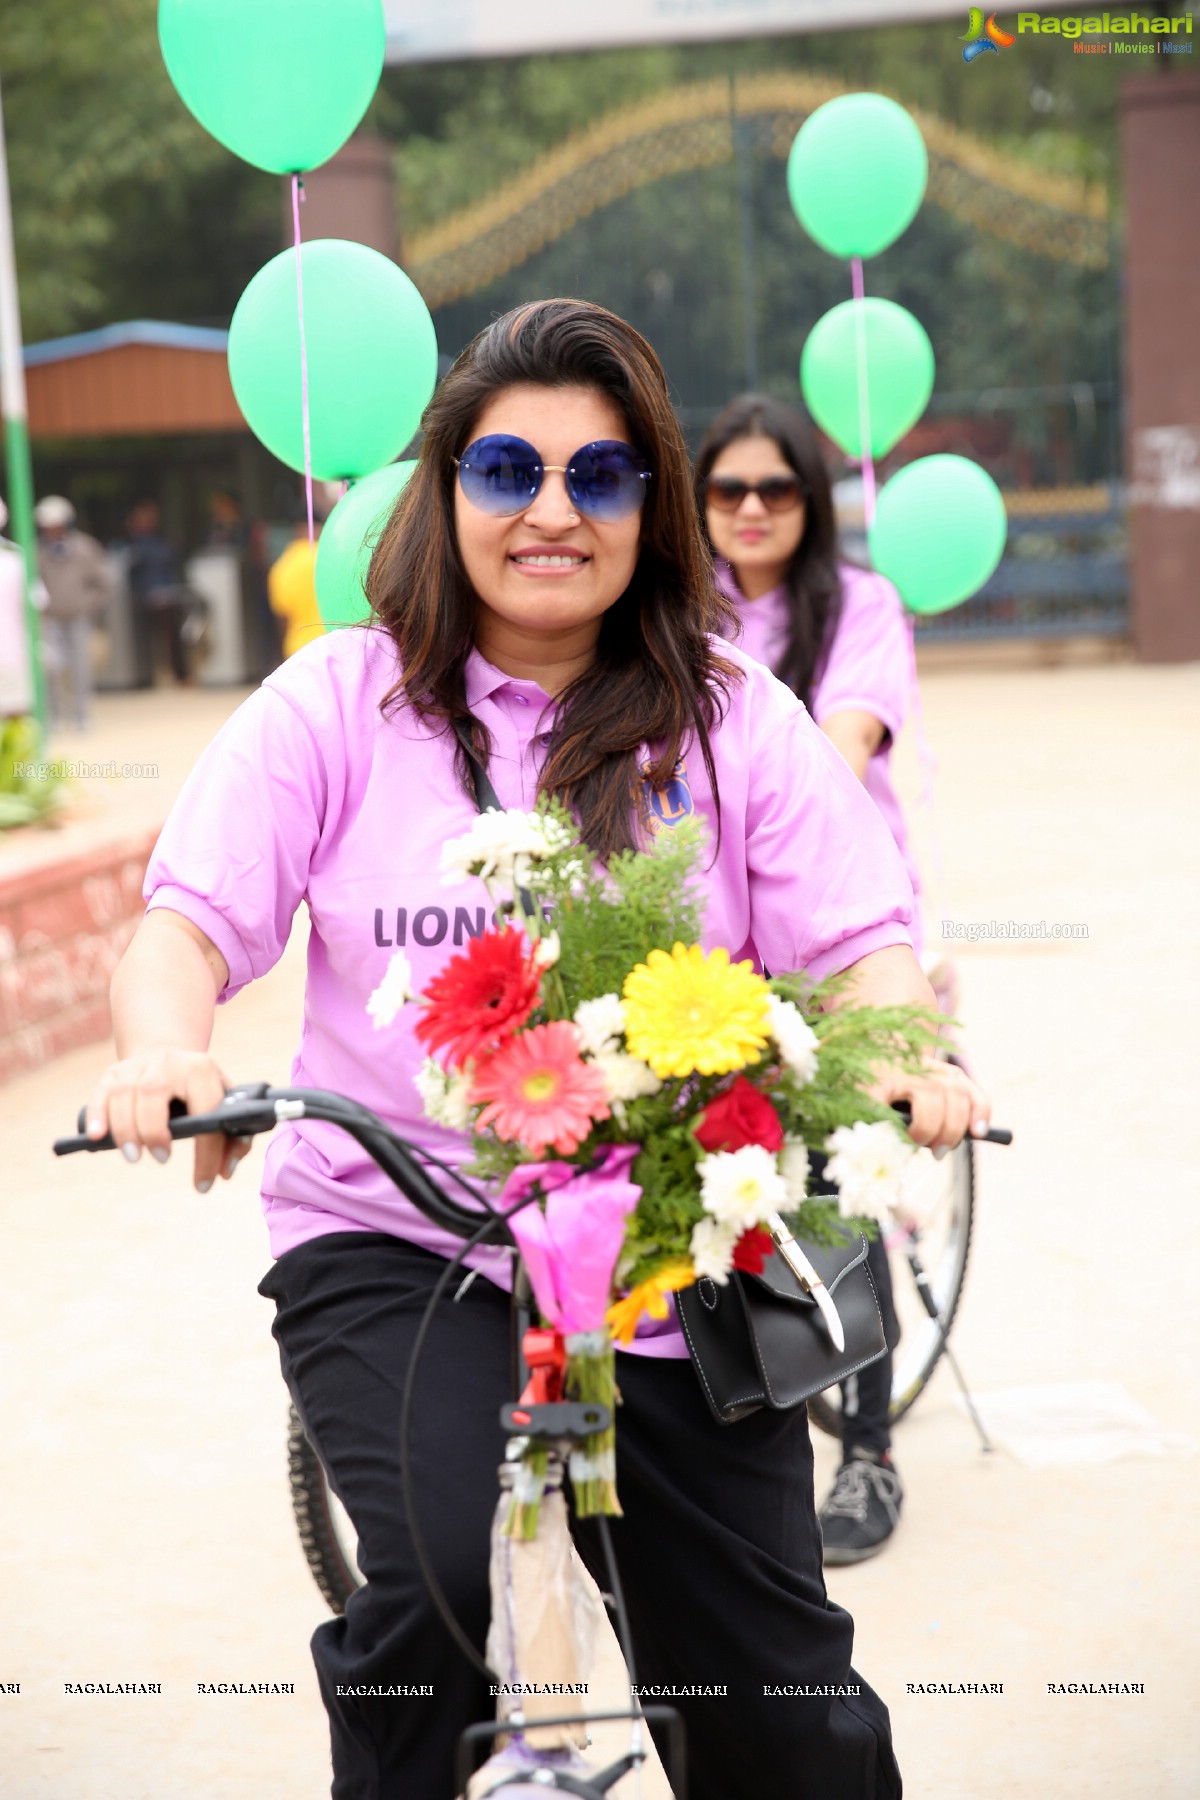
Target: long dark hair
(656, 676)
(812, 585)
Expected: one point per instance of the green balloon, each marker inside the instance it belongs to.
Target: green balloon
(281, 83)
(938, 531)
(348, 538)
(371, 352)
(856, 174)
(899, 359)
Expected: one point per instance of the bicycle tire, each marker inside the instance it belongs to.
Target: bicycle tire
(947, 1270)
(329, 1557)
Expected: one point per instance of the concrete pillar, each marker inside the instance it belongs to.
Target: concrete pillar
(353, 195)
(1160, 123)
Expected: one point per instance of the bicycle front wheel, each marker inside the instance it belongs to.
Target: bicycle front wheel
(326, 1534)
(936, 1229)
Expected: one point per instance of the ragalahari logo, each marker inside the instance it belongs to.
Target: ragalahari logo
(984, 37)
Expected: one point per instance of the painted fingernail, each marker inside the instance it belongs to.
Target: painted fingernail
(131, 1152)
(980, 1128)
(160, 1153)
(95, 1127)
(942, 1150)
(202, 1187)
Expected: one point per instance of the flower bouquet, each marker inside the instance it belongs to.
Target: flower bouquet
(645, 1107)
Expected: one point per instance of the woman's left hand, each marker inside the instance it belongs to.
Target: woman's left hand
(946, 1104)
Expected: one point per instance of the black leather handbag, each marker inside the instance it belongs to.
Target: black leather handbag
(761, 1340)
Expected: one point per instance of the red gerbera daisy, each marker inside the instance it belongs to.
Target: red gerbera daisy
(541, 1092)
(481, 997)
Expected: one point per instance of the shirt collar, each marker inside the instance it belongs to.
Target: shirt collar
(482, 679)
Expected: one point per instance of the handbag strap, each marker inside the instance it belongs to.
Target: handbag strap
(485, 794)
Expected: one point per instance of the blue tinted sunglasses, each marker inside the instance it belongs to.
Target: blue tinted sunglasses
(503, 475)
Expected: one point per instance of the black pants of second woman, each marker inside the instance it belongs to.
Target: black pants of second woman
(719, 1548)
(866, 1397)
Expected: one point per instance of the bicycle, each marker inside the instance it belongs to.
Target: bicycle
(325, 1530)
(253, 1107)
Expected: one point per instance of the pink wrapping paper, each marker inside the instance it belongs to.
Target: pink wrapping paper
(571, 1249)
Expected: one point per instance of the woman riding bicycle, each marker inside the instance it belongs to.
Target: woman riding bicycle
(839, 637)
(543, 583)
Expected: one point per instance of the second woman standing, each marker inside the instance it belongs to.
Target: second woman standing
(838, 636)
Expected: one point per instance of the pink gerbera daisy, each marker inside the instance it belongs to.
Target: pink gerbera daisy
(540, 1091)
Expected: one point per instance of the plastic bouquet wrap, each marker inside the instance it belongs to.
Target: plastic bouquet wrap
(646, 1105)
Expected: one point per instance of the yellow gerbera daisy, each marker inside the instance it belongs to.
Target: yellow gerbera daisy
(688, 1012)
(648, 1296)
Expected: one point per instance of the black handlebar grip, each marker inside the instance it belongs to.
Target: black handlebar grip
(995, 1134)
(68, 1145)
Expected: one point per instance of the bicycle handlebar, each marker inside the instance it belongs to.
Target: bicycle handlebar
(255, 1106)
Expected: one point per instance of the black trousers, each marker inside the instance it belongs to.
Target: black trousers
(867, 1395)
(719, 1549)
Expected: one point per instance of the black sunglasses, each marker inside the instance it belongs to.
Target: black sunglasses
(778, 493)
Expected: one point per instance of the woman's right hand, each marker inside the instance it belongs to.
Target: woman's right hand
(133, 1097)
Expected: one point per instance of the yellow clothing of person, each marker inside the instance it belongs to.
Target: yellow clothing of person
(292, 591)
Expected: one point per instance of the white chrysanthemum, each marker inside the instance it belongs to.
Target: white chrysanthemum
(798, 1042)
(867, 1161)
(741, 1188)
(392, 992)
(711, 1250)
(626, 1077)
(444, 1098)
(547, 950)
(793, 1166)
(601, 1024)
(499, 845)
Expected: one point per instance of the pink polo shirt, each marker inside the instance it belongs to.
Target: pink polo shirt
(307, 795)
(869, 668)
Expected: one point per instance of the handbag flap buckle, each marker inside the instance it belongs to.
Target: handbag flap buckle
(808, 1276)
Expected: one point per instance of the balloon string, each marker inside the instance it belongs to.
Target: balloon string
(297, 196)
(927, 762)
(926, 757)
(864, 404)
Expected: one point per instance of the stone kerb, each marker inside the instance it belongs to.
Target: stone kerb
(63, 929)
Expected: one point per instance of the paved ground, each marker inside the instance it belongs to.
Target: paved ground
(149, 1537)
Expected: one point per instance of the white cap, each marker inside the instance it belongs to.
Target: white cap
(53, 511)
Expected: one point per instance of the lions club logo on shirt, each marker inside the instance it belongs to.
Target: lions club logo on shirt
(665, 806)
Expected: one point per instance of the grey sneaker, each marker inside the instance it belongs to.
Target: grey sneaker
(861, 1510)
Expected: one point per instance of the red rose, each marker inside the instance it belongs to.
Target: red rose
(752, 1250)
(738, 1117)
